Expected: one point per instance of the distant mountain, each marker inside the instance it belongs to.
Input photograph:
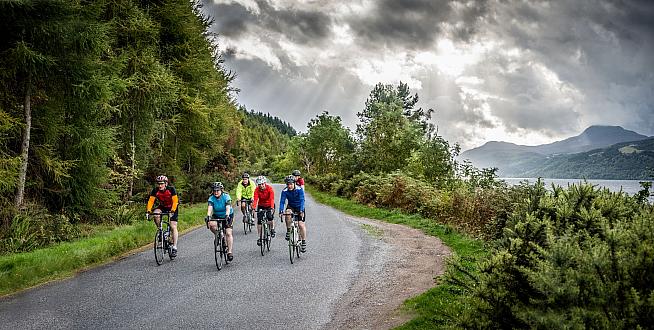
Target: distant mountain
(624, 161)
(515, 160)
(593, 137)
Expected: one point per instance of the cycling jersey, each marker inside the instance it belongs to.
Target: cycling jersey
(264, 198)
(219, 205)
(295, 199)
(300, 182)
(167, 199)
(246, 191)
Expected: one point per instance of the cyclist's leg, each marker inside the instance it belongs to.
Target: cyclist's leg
(173, 227)
(271, 223)
(156, 217)
(228, 232)
(243, 206)
(212, 225)
(287, 218)
(303, 229)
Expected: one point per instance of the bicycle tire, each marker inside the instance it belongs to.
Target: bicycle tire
(268, 238)
(158, 251)
(291, 244)
(297, 242)
(262, 237)
(245, 225)
(217, 250)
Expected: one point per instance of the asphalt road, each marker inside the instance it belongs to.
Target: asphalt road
(189, 292)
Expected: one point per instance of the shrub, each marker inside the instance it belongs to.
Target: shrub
(579, 257)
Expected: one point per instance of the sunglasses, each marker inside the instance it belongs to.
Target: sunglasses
(161, 183)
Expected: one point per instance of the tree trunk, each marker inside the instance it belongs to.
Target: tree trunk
(132, 157)
(24, 150)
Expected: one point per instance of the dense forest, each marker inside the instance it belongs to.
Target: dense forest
(99, 97)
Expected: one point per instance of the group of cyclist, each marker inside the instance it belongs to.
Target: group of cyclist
(260, 196)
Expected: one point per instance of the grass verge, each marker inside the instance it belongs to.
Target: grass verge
(23, 270)
(435, 307)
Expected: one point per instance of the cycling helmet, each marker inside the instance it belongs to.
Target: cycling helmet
(260, 179)
(217, 186)
(162, 178)
(289, 179)
(245, 176)
(296, 173)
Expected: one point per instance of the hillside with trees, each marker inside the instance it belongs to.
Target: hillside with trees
(98, 98)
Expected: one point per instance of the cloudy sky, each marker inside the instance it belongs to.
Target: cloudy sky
(522, 71)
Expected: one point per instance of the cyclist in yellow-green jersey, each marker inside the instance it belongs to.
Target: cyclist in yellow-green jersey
(244, 191)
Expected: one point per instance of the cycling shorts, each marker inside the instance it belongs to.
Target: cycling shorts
(229, 220)
(296, 211)
(173, 217)
(263, 211)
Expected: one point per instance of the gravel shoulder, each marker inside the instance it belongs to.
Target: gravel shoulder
(397, 263)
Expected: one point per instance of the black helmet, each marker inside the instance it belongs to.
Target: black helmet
(217, 186)
(296, 173)
(289, 179)
(245, 176)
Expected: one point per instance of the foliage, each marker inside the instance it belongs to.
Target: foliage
(570, 258)
(121, 92)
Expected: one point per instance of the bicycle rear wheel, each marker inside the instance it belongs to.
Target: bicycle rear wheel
(250, 219)
(158, 247)
(217, 249)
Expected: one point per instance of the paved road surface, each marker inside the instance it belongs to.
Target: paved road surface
(253, 291)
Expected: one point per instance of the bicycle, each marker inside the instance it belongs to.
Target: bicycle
(265, 237)
(162, 239)
(248, 221)
(294, 237)
(220, 243)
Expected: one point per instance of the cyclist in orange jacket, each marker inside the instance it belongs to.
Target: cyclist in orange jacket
(167, 203)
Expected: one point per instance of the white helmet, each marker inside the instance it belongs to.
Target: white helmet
(260, 179)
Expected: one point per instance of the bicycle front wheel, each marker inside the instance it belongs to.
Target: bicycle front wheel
(291, 244)
(158, 247)
(268, 238)
(217, 249)
(296, 238)
(262, 239)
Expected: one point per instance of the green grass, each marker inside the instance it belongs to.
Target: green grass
(432, 308)
(373, 231)
(23, 270)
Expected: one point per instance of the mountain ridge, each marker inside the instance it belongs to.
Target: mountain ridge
(514, 160)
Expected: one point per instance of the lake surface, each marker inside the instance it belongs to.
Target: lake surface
(629, 186)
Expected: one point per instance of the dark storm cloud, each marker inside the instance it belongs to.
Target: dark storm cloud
(299, 26)
(601, 48)
(230, 20)
(416, 24)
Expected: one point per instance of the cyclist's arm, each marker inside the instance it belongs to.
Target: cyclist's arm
(228, 208)
(282, 201)
(150, 203)
(301, 200)
(210, 210)
(256, 199)
(175, 203)
(239, 191)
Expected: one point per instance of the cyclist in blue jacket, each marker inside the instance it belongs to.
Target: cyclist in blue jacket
(295, 197)
(220, 207)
